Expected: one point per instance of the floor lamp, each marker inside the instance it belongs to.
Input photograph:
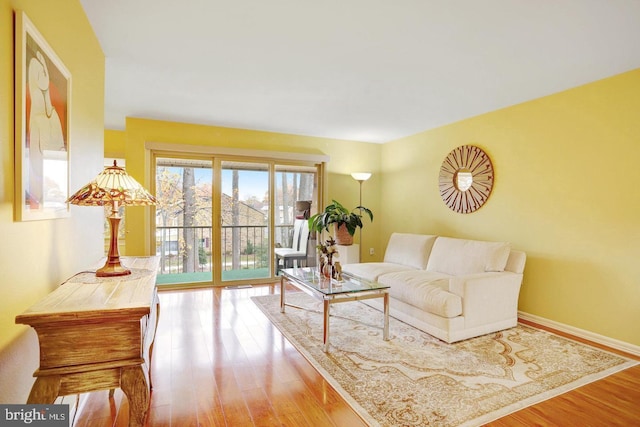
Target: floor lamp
(361, 177)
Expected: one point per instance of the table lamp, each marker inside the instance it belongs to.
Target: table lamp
(113, 187)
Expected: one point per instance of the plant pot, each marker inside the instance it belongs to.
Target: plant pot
(342, 235)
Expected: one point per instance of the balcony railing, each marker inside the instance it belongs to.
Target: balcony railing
(251, 250)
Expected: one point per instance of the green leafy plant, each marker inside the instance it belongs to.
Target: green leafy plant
(337, 214)
(203, 257)
(250, 249)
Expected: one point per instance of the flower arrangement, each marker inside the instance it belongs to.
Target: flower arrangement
(327, 252)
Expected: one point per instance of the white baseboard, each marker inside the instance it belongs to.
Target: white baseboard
(581, 333)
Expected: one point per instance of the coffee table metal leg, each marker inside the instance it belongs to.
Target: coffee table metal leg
(326, 326)
(385, 335)
(281, 294)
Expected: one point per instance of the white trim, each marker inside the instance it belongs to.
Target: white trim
(229, 151)
(581, 333)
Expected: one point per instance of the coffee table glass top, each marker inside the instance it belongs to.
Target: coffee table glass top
(310, 277)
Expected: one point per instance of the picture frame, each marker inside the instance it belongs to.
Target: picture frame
(42, 118)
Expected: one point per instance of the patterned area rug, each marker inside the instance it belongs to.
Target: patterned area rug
(417, 380)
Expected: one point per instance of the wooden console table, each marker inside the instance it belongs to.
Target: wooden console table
(96, 333)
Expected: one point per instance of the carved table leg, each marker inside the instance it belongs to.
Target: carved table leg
(45, 390)
(133, 382)
(153, 341)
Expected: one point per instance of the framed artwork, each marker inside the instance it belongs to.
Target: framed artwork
(43, 104)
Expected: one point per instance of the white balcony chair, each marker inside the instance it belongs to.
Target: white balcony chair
(285, 257)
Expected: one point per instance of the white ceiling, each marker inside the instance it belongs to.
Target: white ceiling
(366, 70)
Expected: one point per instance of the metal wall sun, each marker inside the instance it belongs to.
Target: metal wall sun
(466, 179)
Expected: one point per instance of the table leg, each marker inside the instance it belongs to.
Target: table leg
(385, 334)
(326, 326)
(155, 330)
(154, 338)
(45, 390)
(133, 382)
(281, 294)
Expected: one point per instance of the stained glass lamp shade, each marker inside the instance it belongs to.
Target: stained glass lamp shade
(113, 187)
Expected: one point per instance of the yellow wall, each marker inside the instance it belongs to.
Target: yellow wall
(566, 192)
(114, 143)
(346, 157)
(36, 256)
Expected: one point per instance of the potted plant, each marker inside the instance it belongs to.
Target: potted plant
(345, 222)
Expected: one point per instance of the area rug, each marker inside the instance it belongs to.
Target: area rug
(415, 379)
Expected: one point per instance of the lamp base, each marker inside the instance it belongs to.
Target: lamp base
(112, 268)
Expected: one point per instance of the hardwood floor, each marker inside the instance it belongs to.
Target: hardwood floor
(218, 361)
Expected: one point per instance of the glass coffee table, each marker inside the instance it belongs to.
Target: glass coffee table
(331, 291)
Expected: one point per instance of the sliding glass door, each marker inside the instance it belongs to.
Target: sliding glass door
(183, 220)
(245, 220)
(293, 184)
(218, 219)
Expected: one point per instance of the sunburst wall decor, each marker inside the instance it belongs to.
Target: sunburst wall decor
(466, 179)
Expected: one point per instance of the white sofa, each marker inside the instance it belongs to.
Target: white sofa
(453, 289)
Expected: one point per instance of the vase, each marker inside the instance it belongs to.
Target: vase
(321, 263)
(327, 270)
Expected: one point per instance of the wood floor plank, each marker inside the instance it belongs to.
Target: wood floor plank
(210, 410)
(306, 401)
(159, 415)
(218, 361)
(260, 407)
(283, 403)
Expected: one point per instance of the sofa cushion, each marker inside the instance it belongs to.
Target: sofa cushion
(411, 250)
(424, 290)
(460, 256)
(373, 270)
(516, 262)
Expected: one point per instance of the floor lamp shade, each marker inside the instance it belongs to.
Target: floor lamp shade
(113, 187)
(361, 176)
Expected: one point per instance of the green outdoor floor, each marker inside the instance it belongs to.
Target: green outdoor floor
(205, 276)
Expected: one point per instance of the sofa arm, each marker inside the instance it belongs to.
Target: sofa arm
(487, 297)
